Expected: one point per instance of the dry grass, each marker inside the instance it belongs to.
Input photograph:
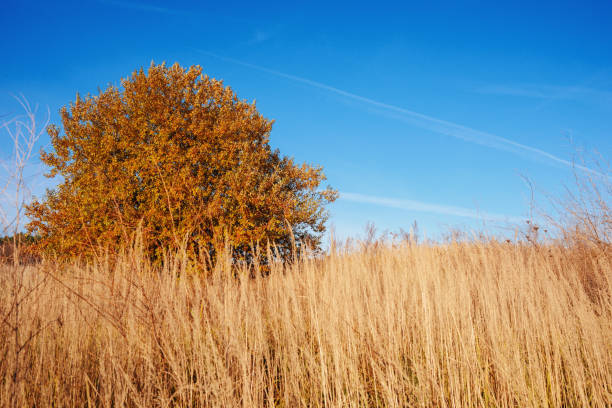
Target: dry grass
(460, 324)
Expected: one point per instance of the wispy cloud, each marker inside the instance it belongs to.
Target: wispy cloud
(508, 90)
(424, 121)
(419, 206)
(258, 37)
(539, 91)
(142, 7)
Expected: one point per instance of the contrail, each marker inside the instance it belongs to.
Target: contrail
(411, 205)
(418, 119)
(141, 7)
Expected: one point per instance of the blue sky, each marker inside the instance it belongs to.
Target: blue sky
(428, 112)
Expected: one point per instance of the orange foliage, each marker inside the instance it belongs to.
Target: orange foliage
(180, 156)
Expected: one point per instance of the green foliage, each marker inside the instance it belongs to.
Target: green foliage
(25, 245)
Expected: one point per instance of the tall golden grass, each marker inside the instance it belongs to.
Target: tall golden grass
(461, 324)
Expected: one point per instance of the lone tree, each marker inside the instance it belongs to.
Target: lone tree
(178, 155)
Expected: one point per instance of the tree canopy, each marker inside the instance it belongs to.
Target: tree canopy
(178, 155)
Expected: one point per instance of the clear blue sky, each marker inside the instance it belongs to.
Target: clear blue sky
(428, 112)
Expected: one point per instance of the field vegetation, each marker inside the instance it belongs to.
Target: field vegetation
(473, 323)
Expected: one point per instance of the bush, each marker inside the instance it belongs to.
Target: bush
(25, 243)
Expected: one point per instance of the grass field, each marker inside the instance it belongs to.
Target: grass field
(481, 323)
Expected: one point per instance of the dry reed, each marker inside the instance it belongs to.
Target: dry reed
(459, 325)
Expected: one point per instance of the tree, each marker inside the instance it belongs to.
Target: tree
(178, 155)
